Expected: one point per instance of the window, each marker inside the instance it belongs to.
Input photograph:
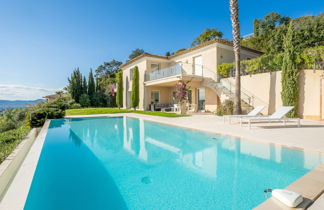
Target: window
(155, 97)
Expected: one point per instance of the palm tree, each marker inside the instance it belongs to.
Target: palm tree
(236, 46)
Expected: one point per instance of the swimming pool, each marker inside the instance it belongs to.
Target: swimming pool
(129, 163)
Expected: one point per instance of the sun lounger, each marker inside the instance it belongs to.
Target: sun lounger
(252, 113)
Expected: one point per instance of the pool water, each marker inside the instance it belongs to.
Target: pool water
(127, 163)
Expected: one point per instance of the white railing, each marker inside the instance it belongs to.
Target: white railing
(163, 73)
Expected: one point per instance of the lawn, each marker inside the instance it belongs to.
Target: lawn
(89, 111)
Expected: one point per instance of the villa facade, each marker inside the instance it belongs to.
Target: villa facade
(158, 76)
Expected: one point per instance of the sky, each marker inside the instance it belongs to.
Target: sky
(43, 41)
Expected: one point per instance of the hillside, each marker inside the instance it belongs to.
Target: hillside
(5, 104)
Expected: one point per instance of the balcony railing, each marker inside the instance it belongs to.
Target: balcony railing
(163, 73)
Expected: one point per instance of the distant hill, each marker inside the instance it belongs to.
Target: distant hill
(6, 104)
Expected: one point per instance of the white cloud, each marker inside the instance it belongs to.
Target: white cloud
(21, 92)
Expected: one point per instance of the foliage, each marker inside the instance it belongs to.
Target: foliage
(270, 31)
(181, 91)
(226, 108)
(89, 111)
(75, 85)
(10, 139)
(12, 119)
(168, 53)
(75, 106)
(91, 87)
(84, 100)
(290, 73)
(135, 88)
(119, 94)
(108, 69)
(135, 53)
(84, 86)
(207, 35)
(49, 110)
(273, 62)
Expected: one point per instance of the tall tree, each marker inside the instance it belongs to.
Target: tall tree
(119, 93)
(135, 88)
(84, 86)
(91, 85)
(135, 53)
(290, 73)
(75, 85)
(207, 35)
(236, 45)
(108, 69)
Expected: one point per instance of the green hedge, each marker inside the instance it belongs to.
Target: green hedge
(10, 139)
(268, 63)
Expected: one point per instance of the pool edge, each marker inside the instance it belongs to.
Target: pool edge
(16, 194)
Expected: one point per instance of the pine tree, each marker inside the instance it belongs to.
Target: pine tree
(135, 88)
(290, 73)
(119, 93)
(75, 85)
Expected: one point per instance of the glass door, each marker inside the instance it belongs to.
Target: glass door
(201, 99)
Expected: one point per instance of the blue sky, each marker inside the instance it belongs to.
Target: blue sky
(41, 42)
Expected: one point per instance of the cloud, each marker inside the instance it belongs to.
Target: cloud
(21, 92)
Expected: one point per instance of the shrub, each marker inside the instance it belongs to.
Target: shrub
(39, 117)
(119, 93)
(84, 100)
(10, 139)
(75, 106)
(226, 108)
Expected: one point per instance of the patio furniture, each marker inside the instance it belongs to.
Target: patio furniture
(279, 115)
(252, 113)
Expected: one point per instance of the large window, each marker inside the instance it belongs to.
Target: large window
(201, 98)
(155, 97)
(198, 70)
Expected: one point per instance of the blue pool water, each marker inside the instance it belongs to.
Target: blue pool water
(126, 163)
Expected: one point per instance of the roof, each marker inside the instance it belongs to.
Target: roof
(220, 41)
(53, 96)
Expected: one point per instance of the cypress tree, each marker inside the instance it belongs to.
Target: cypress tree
(119, 93)
(91, 86)
(84, 86)
(135, 88)
(290, 73)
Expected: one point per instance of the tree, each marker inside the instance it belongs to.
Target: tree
(119, 93)
(75, 85)
(135, 88)
(236, 45)
(84, 86)
(91, 85)
(207, 35)
(290, 73)
(135, 53)
(168, 53)
(108, 69)
(84, 100)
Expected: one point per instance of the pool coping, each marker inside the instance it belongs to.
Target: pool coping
(17, 192)
(16, 195)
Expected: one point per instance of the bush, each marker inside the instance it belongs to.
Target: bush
(10, 139)
(226, 108)
(38, 118)
(84, 100)
(75, 106)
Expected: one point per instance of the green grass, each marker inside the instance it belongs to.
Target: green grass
(10, 139)
(89, 111)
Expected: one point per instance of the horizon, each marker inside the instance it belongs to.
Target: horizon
(44, 42)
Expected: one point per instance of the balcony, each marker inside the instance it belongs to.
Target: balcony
(164, 73)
